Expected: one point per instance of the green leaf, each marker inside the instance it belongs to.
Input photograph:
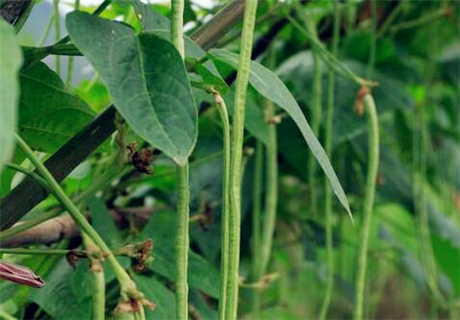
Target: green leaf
(448, 258)
(56, 297)
(146, 78)
(161, 26)
(297, 72)
(254, 120)
(162, 297)
(103, 223)
(10, 62)
(271, 87)
(201, 273)
(49, 115)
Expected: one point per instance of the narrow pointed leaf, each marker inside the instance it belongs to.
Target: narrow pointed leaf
(271, 87)
(146, 78)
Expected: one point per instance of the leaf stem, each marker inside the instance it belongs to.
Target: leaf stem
(327, 186)
(236, 157)
(373, 163)
(37, 177)
(128, 287)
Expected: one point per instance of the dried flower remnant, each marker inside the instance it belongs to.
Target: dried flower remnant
(20, 274)
(141, 159)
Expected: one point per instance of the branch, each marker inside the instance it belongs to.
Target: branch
(63, 227)
(13, 10)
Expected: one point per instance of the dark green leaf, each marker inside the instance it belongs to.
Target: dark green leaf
(56, 297)
(201, 274)
(146, 79)
(271, 87)
(103, 223)
(254, 120)
(49, 115)
(160, 25)
(162, 297)
(10, 62)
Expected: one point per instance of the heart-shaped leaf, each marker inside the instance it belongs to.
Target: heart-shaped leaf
(146, 78)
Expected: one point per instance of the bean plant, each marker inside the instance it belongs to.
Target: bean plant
(229, 160)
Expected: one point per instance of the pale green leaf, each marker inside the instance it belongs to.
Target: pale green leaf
(10, 62)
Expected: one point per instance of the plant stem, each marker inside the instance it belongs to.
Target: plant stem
(373, 163)
(330, 59)
(182, 233)
(327, 186)
(128, 287)
(18, 168)
(271, 184)
(9, 233)
(96, 12)
(97, 278)
(6, 316)
(237, 155)
(57, 33)
(57, 252)
(182, 242)
(177, 22)
(70, 59)
(225, 216)
(389, 20)
(371, 61)
(315, 117)
(434, 15)
(47, 30)
(256, 230)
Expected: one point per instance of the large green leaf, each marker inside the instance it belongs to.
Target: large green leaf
(146, 79)
(49, 115)
(271, 87)
(103, 223)
(201, 273)
(162, 297)
(10, 62)
(161, 26)
(254, 120)
(56, 297)
(297, 72)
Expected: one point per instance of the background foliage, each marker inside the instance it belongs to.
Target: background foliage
(417, 66)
